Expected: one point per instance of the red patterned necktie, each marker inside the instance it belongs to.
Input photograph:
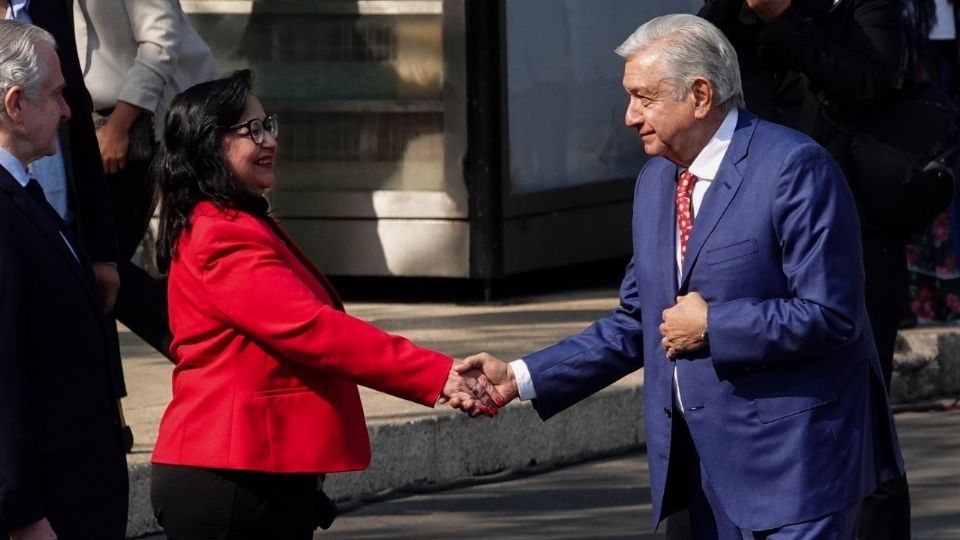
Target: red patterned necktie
(685, 209)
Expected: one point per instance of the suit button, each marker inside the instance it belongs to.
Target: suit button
(667, 412)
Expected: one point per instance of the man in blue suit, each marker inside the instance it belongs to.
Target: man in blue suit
(766, 413)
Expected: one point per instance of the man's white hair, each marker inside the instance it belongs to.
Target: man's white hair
(690, 47)
(19, 63)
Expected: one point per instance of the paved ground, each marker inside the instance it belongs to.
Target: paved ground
(601, 499)
(610, 498)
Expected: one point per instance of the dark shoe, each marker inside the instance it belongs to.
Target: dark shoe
(127, 439)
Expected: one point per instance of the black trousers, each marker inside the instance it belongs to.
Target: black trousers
(886, 513)
(193, 503)
(85, 491)
(886, 278)
(142, 299)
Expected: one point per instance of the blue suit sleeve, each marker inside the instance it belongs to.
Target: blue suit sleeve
(815, 221)
(580, 365)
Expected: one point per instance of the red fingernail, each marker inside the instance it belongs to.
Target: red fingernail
(499, 401)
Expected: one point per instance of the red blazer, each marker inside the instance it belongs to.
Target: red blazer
(268, 362)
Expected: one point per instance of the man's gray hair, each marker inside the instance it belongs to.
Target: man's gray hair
(19, 63)
(690, 47)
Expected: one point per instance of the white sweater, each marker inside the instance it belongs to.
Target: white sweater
(143, 52)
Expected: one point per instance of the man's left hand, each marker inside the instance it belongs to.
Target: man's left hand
(684, 325)
(108, 283)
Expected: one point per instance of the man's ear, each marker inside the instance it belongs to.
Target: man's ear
(13, 103)
(702, 97)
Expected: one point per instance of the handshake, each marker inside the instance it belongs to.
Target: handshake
(479, 385)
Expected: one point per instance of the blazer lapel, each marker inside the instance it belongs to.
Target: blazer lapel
(305, 261)
(720, 194)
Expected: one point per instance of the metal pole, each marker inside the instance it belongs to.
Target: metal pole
(484, 164)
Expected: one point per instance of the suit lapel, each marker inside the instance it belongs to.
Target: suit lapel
(720, 194)
(667, 230)
(48, 227)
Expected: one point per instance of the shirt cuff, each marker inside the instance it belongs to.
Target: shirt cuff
(524, 382)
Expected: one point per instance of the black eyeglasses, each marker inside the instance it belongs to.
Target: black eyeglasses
(258, 129)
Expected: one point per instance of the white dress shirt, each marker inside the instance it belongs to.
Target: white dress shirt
(705, 168)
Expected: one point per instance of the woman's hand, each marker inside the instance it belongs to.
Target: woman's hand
(495, 376)
(114, 136)
(470, 392)
(113, 141)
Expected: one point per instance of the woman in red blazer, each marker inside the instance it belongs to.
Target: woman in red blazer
(265, 396)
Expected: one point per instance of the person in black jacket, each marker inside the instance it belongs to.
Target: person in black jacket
(62, 467)
(87, 190)
(821, 66)
(89, 201)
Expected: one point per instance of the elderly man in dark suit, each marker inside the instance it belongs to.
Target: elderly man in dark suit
(62, 468)
(73, 178)
(87, 200)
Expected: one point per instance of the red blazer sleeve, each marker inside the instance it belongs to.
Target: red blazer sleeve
(245, 274)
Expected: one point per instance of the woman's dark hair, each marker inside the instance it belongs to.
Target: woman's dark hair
(190, 166)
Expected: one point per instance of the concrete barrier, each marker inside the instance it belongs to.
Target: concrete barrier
(451, 446)
(926, 365)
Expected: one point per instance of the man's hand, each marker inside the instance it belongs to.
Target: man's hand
(684, 326)
(494, 375)
(108, 282)
(466, 392)
(768, 10)
(38, 530)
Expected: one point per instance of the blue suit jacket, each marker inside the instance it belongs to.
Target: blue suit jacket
(786, 407)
